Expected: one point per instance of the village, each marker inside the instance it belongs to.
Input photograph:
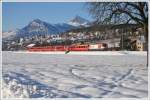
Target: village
(119, 37)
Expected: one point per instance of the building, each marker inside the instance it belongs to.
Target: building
(138, 43)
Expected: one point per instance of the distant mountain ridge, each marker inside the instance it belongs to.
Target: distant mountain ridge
(10, 34)
(79, 21)
(39, 27)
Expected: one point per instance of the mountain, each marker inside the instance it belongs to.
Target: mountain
(78, 21)
(10, 34)
(38, 27)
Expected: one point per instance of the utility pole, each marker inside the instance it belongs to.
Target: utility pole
(122, 40)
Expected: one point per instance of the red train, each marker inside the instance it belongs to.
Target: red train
(94, 47)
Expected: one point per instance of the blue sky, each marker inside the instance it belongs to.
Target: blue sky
(17, 15)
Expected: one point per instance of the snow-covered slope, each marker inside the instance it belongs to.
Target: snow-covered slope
(27, 75)
(79, 21)
(10, 34)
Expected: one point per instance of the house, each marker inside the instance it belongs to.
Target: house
(138, 43)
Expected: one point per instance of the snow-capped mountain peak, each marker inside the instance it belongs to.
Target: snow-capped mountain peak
(78, 21)
(36, 22)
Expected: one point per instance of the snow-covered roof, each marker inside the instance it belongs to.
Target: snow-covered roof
(30, 45)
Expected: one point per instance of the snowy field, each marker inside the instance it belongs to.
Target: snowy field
(44, 75)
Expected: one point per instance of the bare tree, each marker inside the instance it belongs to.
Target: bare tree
(120, 13)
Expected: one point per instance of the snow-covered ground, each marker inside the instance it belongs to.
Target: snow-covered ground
(44, 75)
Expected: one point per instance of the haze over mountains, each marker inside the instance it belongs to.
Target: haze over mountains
(39, 27)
